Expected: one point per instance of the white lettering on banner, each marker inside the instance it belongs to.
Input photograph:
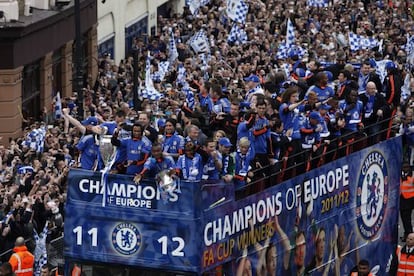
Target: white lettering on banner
(124, 191)
(260, 211)
(325, 183)
(237, 221)
(374, 157)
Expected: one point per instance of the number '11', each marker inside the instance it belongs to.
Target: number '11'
(93, 232)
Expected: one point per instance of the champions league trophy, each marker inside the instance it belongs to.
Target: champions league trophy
(167, 184)
(106, 149)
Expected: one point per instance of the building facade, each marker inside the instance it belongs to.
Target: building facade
(37, 49)
(37, 57)
(119, 22)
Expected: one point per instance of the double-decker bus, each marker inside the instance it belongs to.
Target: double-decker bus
(322, 222)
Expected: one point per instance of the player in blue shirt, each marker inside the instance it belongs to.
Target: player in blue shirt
(244, 127)
(89, 148)
(311, 139)
(243, 158)
(173, 143)
(290, 107)
(189, 166)
(262, 143)
(155, 164)
(352, 109)
(212, 160)
(137, 148)
(321, 88)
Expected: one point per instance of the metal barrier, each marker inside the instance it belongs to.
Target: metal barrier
(54, 251)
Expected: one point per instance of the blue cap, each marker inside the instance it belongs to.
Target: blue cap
(329, 75)
(161, 123)
(90, 121)
(390, 65)
(314, 115)
(300, 72)
(225, 142)
(71, 105)
(252, 78)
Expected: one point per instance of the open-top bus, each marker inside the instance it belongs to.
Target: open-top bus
(320, 223)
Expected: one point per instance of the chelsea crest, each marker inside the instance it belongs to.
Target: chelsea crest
(372, 194)
(126, 238)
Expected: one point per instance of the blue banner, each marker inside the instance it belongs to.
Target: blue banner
(320, 222)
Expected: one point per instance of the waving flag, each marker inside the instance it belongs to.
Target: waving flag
(237, 10)
(409, 49)
(194, 5)
(317, 3)
(149, 92)
(181, 76)
(58, 106)
(290, 33)
(380, 68)
(237, 35)
(288, 48)
(162, 71)
(172, 48)
(40, 249)
(199, 42)
(359, 42)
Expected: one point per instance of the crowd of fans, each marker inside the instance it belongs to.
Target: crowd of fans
(244, 115)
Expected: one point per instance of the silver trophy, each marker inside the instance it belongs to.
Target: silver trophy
(106, 149)
(167, 184)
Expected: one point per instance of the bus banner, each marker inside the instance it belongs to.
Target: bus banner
(322, 222)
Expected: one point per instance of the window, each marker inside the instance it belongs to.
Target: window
(107, 47)
(138, 29)
(31, 91)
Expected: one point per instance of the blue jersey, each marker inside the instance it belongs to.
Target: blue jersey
(352, 116)
(173, 143)
(225, 104)
(153, 166)
(89, 149)
(325, 130)
(121, 154)
(136, 151)
(206, 102)
(191, 168)
(210, 171)
(298, 122)
(111, 126)
(287, 117)
(242, 167)
(243, 131)
(323, 93)
(308, 135)
(261, 134)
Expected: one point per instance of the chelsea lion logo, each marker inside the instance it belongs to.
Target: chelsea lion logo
(126, 238)
(372, 194)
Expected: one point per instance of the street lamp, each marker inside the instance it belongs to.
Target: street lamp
(78, 59)
(136, 101)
